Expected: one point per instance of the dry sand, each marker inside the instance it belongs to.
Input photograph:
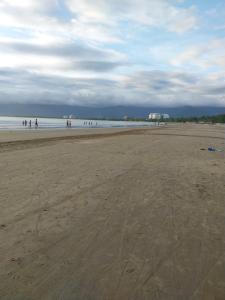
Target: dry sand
(113, 215)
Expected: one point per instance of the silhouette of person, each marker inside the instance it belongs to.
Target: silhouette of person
(36, 123)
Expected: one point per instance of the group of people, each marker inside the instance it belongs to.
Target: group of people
(68, 123)
(90, 123)
(29, 124)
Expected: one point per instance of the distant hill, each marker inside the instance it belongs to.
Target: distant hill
(105, 112)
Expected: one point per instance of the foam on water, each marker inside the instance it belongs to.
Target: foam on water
(15, 123)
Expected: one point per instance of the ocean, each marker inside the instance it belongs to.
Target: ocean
(16, 123)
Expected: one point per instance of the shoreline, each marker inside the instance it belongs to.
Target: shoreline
(17, 123)
(27, 134)
(7, 135)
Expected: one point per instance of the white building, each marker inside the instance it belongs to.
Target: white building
(154, 116)
(157, 116)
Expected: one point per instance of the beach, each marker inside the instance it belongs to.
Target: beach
(110, 214)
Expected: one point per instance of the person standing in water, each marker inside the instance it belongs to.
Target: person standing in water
(30, 123)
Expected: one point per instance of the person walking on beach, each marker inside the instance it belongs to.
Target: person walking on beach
(25, 123)
(36, 123)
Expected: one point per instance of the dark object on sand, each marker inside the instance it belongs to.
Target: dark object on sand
(211, 149)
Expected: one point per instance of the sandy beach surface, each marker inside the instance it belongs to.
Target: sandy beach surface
(113, 214)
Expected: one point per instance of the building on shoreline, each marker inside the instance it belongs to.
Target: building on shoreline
(158, 116)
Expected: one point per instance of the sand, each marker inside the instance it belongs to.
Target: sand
(115, 214)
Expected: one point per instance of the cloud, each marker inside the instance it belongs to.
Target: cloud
(94, 53)
(141, 88)
(57, 47)
(58, 55)
(97, 66)
(160, 13)
(95, 20)
(27, 13)
(206, 55)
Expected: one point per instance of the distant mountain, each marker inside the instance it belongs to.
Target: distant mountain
(105, 112)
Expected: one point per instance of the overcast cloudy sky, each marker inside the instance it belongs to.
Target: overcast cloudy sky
(113, 52)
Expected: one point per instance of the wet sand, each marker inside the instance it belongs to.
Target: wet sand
(113, 214)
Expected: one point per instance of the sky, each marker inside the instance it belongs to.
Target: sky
(113, 52)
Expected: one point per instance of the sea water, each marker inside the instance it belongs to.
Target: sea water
(16, 123)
